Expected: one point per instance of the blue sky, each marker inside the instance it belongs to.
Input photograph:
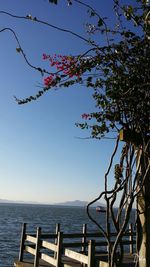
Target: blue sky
(41, 158)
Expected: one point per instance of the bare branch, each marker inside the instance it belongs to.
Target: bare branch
(35, 19)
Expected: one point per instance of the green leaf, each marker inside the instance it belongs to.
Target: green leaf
(89, 79)
(53, 1)
(18, 49)
(100, 23)
(130, 9)
(92, 13)
(106, 71)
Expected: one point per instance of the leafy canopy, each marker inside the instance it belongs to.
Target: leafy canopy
(118, 72)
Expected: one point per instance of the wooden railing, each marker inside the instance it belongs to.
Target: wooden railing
(53, 247)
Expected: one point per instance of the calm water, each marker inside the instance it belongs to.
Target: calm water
(13, 215)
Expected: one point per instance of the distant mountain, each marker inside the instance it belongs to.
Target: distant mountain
(18, 201)
(4, 201)
(79, 203)
(75, 203)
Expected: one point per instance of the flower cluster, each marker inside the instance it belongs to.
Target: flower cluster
(66, 66)
(48, 81)
(86, 116)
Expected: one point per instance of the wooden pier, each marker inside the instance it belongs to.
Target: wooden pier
(70, 250)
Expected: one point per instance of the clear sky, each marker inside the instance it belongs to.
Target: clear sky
(41, 158)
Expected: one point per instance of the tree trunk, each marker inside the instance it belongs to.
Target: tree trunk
(143, 218)
(143, 232)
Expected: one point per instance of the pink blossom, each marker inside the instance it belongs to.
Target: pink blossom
(86, 116)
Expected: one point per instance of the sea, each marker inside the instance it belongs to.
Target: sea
(12, 216)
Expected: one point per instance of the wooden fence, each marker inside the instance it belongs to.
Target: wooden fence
(52, 248)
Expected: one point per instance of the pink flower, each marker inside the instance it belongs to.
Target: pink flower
(86, 116)
(45, 56)
(48, 80)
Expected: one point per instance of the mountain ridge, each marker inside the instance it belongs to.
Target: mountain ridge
(80, 203)
(73, 203)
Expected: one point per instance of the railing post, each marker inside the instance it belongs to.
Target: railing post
(131, 237)
(59, 248)
(37, 247)
(84, 230)
(23, 233)
(56, 239)
(91, 253)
